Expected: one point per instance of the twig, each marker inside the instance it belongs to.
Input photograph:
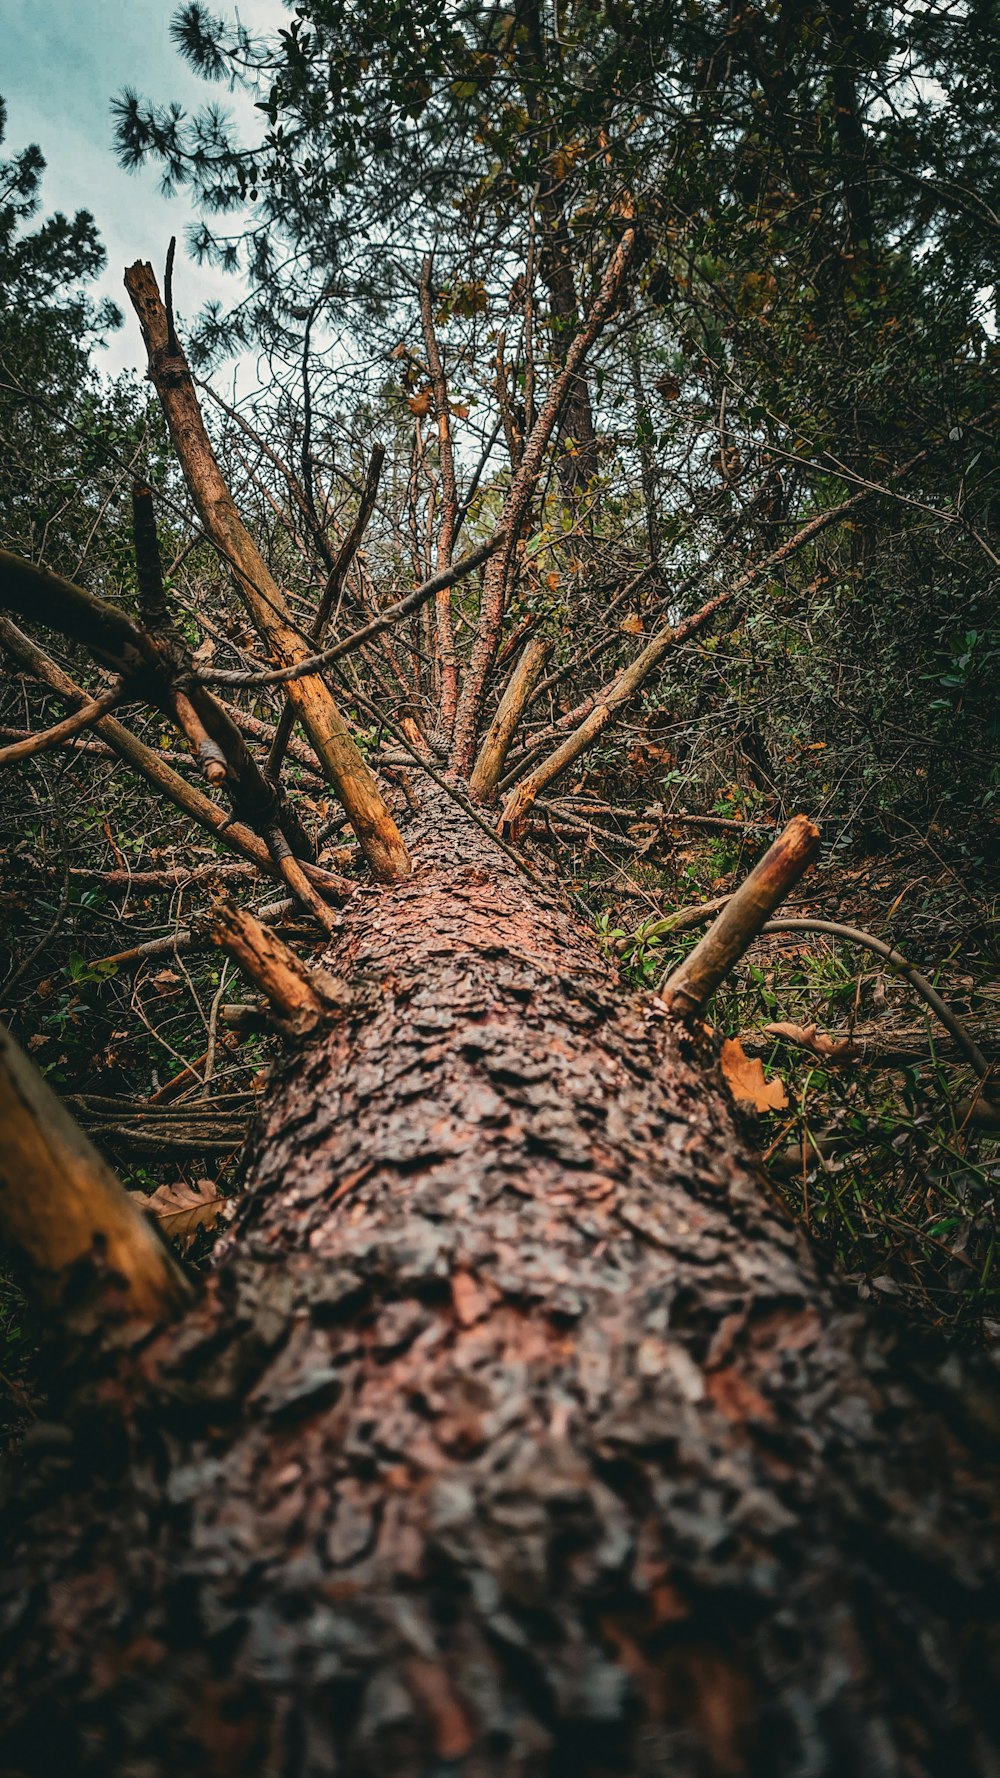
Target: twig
(392, 615)
(61, 732)
(853, 935)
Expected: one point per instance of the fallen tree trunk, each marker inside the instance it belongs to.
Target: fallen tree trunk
(516, 1430)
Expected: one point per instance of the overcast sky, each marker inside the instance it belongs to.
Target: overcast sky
(62, 63)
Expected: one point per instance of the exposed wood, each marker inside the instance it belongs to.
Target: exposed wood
(493, 602)
(88, 1253)
(496, 745)
(335, 747)
(158, 665)
(60, 732)
(387, 619)
(301, 997)
(186, 938)
(690, 986)
(623, 688)
(506, 1299)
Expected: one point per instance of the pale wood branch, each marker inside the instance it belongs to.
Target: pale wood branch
(493, 603)
(448, 514)
(61, 732)
(89, 1253)
(691, 985)
(191, 801)
(300, 997)
(496, 745)
(337, 572)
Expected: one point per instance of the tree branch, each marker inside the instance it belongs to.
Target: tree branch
(688, 989)
(335, 747)
(496, 580)
(330, 594)
(60, 732)
(624, 686)
(448, 518)
(184, 796)
(493, 752)
(89, 1252)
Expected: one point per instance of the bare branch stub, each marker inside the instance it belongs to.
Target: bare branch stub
(689, 988)
(301, 998)
(89, 1253)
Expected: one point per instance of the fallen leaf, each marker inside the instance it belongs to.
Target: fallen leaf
(745, 1079)
(182, 1209)
(632, 624)
(832, 1049)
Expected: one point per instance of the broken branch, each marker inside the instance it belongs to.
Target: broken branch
(300, 997)
(688, 989)
(60, 732)
(70, 1222)
(496, 746)
(335, 746)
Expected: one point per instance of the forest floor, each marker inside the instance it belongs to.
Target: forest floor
(877, 1155)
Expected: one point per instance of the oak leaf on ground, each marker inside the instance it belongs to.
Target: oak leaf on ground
(745, 1079)
(182, 1209)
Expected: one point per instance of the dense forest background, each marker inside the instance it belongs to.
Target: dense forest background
(804, 330)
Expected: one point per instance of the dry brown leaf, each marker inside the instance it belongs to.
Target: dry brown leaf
(745, 1079)
(632, 624)
(182, 1209)
(832, 1049)
(420, 404)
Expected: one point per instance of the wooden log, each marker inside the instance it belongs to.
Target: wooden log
(692, 984)
(88, 1252)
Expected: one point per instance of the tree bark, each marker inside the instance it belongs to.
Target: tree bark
(516, 1432)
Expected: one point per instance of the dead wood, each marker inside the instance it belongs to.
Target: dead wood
(300, 998)
(61, 732)
(515, 1428)
(129, 1126)
(191, 801)
(335, 746)
(87, 1253)
(688, 989)
(496, 745)
(330, 595)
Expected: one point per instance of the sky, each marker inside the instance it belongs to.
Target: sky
(61, 64)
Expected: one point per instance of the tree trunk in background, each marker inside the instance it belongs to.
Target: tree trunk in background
(516, 1432)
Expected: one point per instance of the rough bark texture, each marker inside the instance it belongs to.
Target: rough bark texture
(515, 1433)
